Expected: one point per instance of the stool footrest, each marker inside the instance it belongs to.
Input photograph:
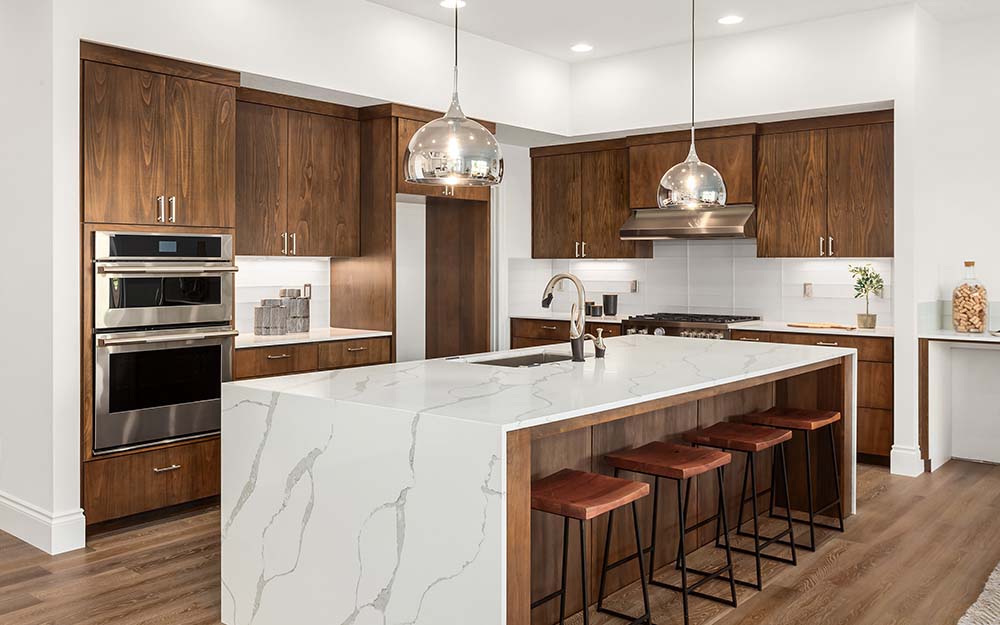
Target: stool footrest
(632, 620)
(766, 556)
(696, 593)
(625, 560)
(546, 599)
(825, 526)
(707, 576)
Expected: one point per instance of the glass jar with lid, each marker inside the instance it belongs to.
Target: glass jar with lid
(969, 304)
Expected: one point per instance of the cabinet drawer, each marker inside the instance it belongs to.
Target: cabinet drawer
(610, 329)
(874, 429)
(126, 485)
(261, 362)
(354, 353)
(518, 342)
(875, 385)
(751, 337)
(538, 329)
(869, 348)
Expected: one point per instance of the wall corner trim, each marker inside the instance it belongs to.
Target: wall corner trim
(53, 533)
(906, 461)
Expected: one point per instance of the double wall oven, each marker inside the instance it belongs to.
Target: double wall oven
(163, 336)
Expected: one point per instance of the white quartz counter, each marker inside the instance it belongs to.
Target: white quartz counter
(315, 335)
(782, 326)
(951, 335)
(638, 368)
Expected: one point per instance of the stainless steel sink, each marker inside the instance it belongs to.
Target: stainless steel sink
(528, 360)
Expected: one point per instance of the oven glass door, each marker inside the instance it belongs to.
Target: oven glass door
(141, 296)
(157, 386)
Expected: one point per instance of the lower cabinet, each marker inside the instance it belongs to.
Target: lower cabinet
(262, 362)
(139, 482)
(537, 332)
(875, 384)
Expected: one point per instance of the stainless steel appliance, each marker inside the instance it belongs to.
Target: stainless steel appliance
(145, 280)
(684, 324)
(158, 386)
(163, 338)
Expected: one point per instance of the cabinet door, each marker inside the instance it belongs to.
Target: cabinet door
(791, 194)
(323, 185)
(604, 197)
(261, 179)
(555, 206)
(405, 129)
(860, 198)
(732, 156)
(200, 140)
(122, 144)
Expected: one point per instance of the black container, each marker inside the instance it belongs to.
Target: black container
(611, 304)
(596, 310)
(588, 308)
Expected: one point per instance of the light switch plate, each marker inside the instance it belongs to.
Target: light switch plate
(807, 289)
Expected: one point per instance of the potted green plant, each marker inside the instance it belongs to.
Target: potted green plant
(867, 282)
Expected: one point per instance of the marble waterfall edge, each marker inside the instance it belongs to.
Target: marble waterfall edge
(356, 514)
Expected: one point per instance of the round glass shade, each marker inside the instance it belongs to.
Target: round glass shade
(455, 151)
(691, 185)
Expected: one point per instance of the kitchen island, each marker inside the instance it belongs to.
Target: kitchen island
(401, 493)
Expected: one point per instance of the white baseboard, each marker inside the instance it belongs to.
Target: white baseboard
(905, 461)
(52, 533)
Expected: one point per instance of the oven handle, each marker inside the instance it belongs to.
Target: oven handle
(169, 271)
(165, 338)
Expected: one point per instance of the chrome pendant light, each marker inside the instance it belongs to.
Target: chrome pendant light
(454, 150)
(692, 184)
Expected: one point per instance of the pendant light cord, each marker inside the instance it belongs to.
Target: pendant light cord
(455, 89)
(692, 73)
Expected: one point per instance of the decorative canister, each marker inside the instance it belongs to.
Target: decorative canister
(298, 314)
(270, 318)
(969, 303)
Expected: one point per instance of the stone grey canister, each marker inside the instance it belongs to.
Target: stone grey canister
(298, 314)
(270, 318)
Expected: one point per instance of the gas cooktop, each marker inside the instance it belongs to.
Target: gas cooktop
(694, 318)
(684, 324)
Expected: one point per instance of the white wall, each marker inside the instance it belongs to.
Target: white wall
(263, 277)
(411, 280)
(512, 233)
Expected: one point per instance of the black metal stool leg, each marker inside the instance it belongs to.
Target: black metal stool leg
(687, 499)
(652, 538)
(723, 519)
(647, 617)
(743, 496)
(681, 552)
(604, 565)
(780, 450)
(751, 461)
(562, 593)
(836, 477)
(809, 494)
(583, 575)
(774, 480)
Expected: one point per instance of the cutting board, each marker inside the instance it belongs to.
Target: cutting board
(822, 326)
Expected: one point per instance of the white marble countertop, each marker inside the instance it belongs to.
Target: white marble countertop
(951, 335)
(564, 316)
(638, 368)
(782, 326)
(316, 335)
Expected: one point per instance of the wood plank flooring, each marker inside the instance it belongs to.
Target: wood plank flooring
(918, 552)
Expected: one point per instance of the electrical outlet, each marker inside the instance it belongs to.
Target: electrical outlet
(807, 289)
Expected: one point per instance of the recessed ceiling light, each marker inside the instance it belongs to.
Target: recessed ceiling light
(582, 47)
(450, 4)
(729, 20)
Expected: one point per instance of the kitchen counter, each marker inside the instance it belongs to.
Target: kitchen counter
(316, 335)
(557, 316)
(782, 326)
(951, 335)
(397, 492)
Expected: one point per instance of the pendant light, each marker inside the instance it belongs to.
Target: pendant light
(454, 150)
(692, 184)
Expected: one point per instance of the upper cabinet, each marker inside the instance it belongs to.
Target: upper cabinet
(826, 191)
(580, 200)
(405, 129)
(157, 149)
(298, 178)
(728, 149)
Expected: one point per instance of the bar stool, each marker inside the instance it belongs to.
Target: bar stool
(807, 421)
(679, 463)
(584, 496)
(752, 440)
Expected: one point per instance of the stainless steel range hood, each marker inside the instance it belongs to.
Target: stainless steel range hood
(727, 222)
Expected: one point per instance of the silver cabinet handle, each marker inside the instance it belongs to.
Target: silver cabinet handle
(829, 246)
(584, 253)
(110, 269)
(356, 349)
(165, 338)
(550, 328)
(278, 357)
(822, 249)
(173, 209)
(744, 338)
(161, 214)
(295, 246)
(172, 467)
(824, 344)
(284, 243)
(577, 249)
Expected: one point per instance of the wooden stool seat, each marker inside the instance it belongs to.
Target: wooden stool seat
(678, 462)
(794, 418)
(738, 436)
(583, 496)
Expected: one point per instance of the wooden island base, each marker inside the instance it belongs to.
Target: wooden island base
(534, 538)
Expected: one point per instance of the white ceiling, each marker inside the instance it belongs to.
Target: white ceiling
(550, 27)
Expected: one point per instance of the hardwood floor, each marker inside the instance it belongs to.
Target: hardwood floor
(918, 552)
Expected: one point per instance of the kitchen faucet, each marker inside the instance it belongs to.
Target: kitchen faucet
(577, 327)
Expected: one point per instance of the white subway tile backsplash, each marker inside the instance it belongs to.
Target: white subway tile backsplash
(710, 277)
(262, 277)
